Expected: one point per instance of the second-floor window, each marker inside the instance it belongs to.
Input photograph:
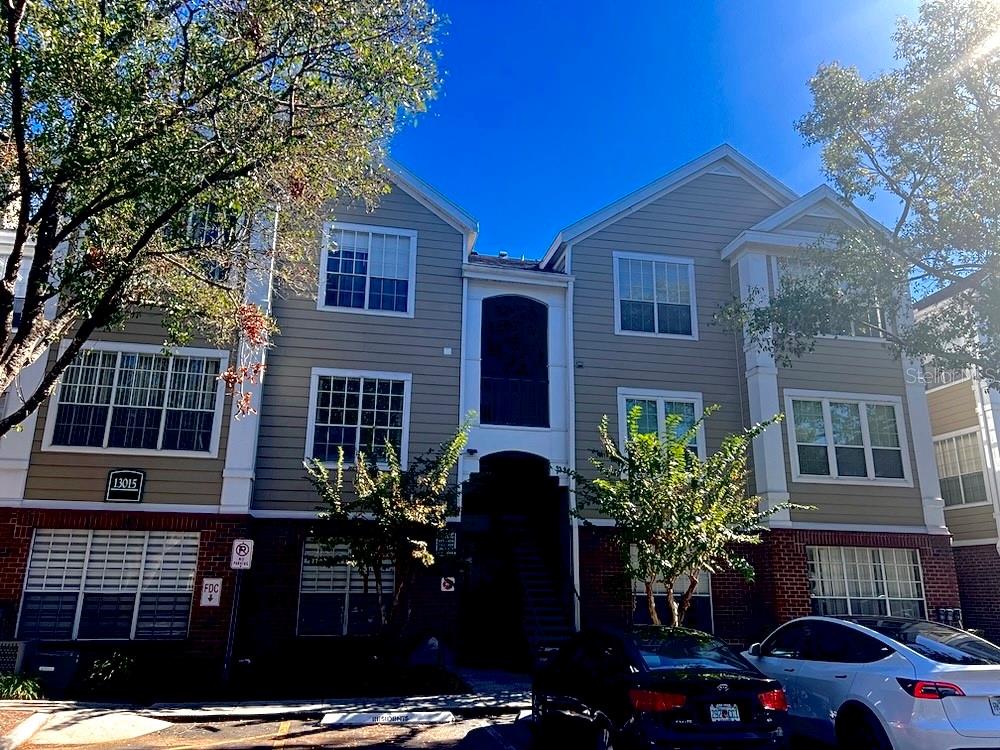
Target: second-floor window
(357, 412)
(846, 438)
(368, 269)
(655, 295)
(138, 400)
(960, 467)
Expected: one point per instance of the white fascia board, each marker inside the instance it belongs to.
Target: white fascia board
(447, 210)
(751, 239)
(755, 175)
(517, 275)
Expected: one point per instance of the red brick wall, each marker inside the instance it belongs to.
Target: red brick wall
(209, 625)
(978, 570)
(744, 612)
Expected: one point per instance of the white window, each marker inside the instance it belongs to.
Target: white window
(699, 614)
(655, 407)
(839, 326)
(846, 438)
(960, 467)
(108, 585)
(20, 284)
(139, 400)
(654, 296)
(335, 598)
(359, 412)
(370, 269)
(865, 581)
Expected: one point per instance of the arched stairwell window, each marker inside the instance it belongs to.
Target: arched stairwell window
(514, 380)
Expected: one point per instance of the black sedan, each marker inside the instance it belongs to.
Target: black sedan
(655, 688)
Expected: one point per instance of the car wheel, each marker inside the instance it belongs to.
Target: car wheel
(858, 728)
(604, 740)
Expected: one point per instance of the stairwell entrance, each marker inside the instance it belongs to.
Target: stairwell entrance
(517, 593)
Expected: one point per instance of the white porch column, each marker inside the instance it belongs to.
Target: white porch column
(762, 392)
(15, 446)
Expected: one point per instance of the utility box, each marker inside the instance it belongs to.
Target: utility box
(54, 669)
(11, 656)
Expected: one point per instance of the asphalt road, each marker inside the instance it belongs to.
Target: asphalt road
(473, 734)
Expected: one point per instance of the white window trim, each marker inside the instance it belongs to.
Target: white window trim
(881, 562)
(985, 463)
(318, 372)
(121, 346)
(861, 398)
(776, 275)
(691, 397)
(332, 226)
(689, 262)
(81, 591)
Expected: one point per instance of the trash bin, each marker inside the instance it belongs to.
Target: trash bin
(54, 669)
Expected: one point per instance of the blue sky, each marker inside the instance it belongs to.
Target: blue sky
(550, 110)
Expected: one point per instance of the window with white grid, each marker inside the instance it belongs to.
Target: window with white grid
(960, 467)
(655, 295)
(359, 413)
(846, 438)
(870, 325)
(127, 400)
(368, 268)
(108, 585)
(656, 407)
(865, 581)
(334, 597)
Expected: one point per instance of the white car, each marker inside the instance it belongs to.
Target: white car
(885, 683)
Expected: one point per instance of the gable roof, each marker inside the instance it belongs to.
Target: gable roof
(445, 209)
(723, 159)
(821, 201)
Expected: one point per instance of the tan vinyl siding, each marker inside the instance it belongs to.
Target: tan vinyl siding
(62, 475)
(976, 522)
(953, 408)
(353, 341)
(694, 221)
(818, 224)
(863, 367)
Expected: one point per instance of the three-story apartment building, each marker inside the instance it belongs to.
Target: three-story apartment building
(409, 331)
(965, 423)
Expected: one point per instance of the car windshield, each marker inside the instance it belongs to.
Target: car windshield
(938, 642)
(686, 649)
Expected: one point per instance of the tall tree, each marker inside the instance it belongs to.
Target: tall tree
(144, 144)
(389, 518)
(927, 136)
(676, 515)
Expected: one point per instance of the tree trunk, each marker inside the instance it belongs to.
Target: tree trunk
(675, 616)
(686, 598)
(654, 617)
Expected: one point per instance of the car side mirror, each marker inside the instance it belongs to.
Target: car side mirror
(755, 649)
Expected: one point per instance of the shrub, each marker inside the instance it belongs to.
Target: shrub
(15, 687)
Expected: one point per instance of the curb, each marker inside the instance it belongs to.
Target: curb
(24, 731)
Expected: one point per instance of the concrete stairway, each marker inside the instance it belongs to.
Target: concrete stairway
(547, 621)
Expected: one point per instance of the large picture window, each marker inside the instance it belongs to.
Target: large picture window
(846, 438)
(138, 400)
(358, 412)
(335, 598)
(865, 581)
(368, 268)
(654, 295)
(960, 467)
(108, 585)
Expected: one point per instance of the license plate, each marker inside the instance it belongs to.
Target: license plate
(723, 712)
(995, 704)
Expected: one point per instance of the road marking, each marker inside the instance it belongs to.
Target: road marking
(283, 728)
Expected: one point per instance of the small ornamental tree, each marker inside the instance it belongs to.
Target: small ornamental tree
(676, 514)
(391, 519)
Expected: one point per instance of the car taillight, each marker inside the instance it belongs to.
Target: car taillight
(774, 700)
(928, 690)
(655, 702)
